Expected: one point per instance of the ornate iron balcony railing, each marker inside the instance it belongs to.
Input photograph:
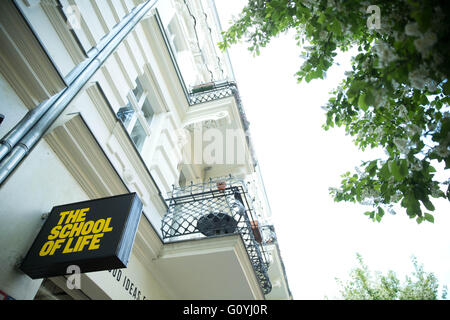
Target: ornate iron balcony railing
(211, 91)
(216, 208)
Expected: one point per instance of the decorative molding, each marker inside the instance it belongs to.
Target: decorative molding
(97, 96)
(131, 55)
(23, 61)
(147, 238)
(150, 83)
(111, 84)
(171, 140)
(114, 11)
(156, 170)
(123, 69)
(216, 120)
(84, 27)
(167, 160)
(67, 37)
(75, 145)
(99, 16)
(139, 43)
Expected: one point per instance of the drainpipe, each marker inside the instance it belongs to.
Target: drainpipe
(33, 116)
(23, 126)
(21, 139)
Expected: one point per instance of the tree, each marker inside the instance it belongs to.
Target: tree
(396, 97)
(365, 285)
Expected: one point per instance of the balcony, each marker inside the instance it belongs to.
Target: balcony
(215, 209)
(211, 91)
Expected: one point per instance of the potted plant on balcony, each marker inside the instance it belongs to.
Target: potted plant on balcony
(221, 185)
(256, 231)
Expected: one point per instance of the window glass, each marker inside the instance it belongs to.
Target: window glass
(138, 135)
(148, 111)
(138, 91)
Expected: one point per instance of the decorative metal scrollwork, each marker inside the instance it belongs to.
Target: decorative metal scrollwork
(216, 208)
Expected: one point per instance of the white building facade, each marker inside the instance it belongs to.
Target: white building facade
(107, 97)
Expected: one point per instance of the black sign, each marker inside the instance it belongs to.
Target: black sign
(94, 235)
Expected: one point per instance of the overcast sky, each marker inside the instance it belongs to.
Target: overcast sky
(319, 238)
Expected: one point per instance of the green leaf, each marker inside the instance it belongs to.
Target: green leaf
(427, 203)
(371, 168)
(380, 214)
(446, 88)
(429, 217)
(370, 98)
(322, 18)
(370, 214)
(411, 204)
(353, 91)
(308, 77)
(399, 168)
(336, 27)
(362, 102)
(403, 168)
(423, 100)
(395, 170)
(384, 172)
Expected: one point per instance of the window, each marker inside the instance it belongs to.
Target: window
(138, 135)
(137, 115)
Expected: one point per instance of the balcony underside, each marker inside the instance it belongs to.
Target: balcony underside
(209, 268)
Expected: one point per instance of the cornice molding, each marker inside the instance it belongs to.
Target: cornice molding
(85, 28)
(84, 159)
(23, 61)
(54, 15)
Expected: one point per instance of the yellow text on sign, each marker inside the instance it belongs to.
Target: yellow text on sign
(73, 233)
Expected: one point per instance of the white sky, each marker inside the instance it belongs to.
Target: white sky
(319, 238)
